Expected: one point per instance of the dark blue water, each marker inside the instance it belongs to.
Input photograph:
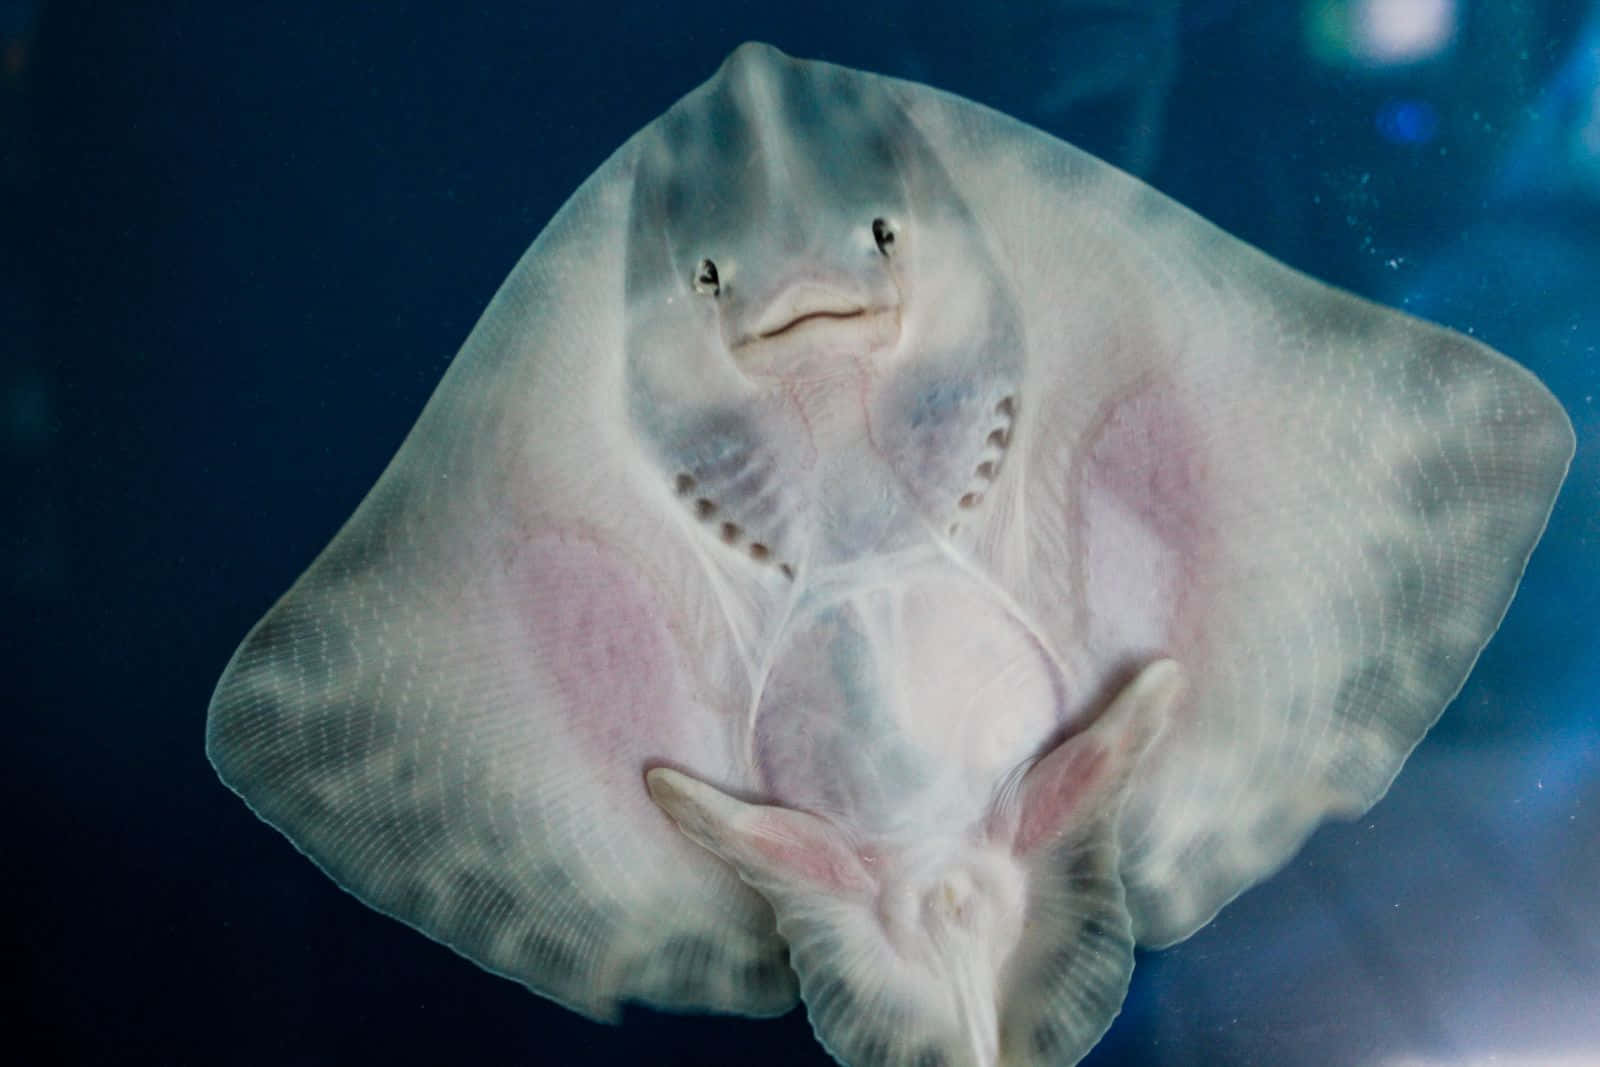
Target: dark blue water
(244, 245)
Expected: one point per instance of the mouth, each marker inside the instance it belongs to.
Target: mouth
(800, 306)
(811, 316)
(814, 331)
(817, 344)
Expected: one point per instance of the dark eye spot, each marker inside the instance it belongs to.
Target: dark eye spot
(705, 278)
(883, 235)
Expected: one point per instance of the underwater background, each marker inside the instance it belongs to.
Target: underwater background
(243, 242)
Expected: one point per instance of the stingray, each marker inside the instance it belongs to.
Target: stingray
(872, 553)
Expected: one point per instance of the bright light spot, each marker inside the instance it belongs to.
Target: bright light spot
(1403, 31)
(1379, 33)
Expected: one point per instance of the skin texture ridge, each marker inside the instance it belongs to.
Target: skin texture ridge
(873, 554)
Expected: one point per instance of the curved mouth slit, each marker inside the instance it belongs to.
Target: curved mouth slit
(809, 317)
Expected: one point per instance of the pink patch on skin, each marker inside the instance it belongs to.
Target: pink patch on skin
(1056, 789)
(802, 848)
(1146, 455)
(601, 635)
(1146, 518)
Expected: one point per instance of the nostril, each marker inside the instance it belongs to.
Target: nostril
(883, 235)
(706, 278)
